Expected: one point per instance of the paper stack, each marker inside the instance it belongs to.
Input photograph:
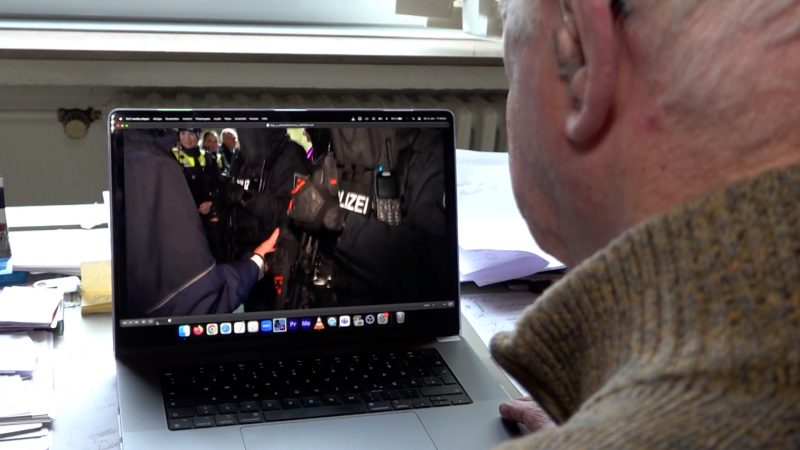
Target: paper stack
(494, 241)
(26, 389)
(26, 308)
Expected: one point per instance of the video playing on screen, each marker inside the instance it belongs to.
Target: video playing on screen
(335, 216)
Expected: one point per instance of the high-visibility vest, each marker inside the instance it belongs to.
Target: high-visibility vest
(187, 160)
(220, 160)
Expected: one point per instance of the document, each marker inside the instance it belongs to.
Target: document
(494, 241)
(27, 394)
(59, 251)
(491, 313)
(25, 307)
(17, 354)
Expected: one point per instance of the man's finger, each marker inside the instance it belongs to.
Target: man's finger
(268, 246)
(527, 412)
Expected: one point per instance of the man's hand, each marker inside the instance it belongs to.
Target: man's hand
(268, 246)
(204, 208)
(526, 411)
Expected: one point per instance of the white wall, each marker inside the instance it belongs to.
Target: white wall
(39, 163)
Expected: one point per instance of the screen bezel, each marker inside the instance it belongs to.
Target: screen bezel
(421, 324)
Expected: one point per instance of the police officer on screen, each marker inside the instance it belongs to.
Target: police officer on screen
(212, 149)
(369, 224)
(199, 169)
(203, 177)
(262, 175)
(215, 219)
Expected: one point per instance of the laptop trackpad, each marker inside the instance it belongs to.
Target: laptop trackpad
(390, 431)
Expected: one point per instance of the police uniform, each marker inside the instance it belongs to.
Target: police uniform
(262, 175)
(391, 247)
(221, 163)
(200, 172)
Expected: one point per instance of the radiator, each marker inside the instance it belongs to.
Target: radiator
(479, 116)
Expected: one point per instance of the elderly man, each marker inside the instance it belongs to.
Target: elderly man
(655, 148)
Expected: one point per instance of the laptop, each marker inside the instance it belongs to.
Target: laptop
(341, 332)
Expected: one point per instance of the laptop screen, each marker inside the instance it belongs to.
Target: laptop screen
(279, 226)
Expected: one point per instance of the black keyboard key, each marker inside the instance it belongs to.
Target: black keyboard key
(401, 404)
(431, 381)
(351, 399)
(448, 378)
(225, 419)
(248, 406)
(459, 399)
(249, 417)
(391, 395)
(270, 405)
(421, 403)
(312, 402)
(378, 406)
(373, 396)
(291, 403)
(413, 382)
(205, 410)
(441, 390)
(204, 422)
(227, 408)
(440, 402)
(331, 400)
(184, 423)
(177, 413)
(409, 393)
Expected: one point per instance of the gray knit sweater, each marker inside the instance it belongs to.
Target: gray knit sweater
(683, 333)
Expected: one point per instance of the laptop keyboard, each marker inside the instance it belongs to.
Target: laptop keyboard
(285, 389)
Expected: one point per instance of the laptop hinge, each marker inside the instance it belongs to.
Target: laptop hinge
(454, 338)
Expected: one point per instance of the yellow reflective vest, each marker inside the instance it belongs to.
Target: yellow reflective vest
(187, 160)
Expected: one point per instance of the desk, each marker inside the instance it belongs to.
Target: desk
(85, 384)
(86, 401)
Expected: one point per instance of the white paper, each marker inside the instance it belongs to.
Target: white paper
(17, 354)
(40, 443)
(490, 314)
(59, 251)
(24, 305)
(86, 216)
(22, 428)
(494, 241)
(29, 400)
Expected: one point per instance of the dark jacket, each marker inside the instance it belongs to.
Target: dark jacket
(265, 167)
(169, 267)
(408, 262)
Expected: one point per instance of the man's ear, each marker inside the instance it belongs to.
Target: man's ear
(587, 52)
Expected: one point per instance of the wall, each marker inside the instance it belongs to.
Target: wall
(41, 72)
(39, 163)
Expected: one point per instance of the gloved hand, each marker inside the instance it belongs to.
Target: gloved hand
(315, 201)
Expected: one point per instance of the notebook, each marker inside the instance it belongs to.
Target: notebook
(289, 279)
